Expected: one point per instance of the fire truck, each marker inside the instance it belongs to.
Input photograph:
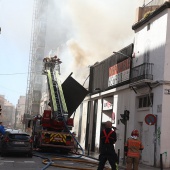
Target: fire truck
(53, 128)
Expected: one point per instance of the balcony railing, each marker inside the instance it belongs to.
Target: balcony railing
(141, 72)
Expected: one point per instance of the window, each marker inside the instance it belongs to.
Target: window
(145, 101)
(19, 136)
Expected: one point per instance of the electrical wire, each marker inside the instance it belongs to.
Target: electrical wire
(86, 80)
(11, 74)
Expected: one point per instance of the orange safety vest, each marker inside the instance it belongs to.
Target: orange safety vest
(107, 136)
(134, 146)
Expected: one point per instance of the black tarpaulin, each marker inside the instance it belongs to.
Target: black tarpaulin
(74, 94)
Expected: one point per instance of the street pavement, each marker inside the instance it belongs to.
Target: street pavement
(141, 167)
(14, 162)
(122, 167)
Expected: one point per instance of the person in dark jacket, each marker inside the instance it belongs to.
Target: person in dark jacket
(2, 129)
(107, 152)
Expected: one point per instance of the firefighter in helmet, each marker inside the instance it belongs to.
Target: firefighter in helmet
(132, 149)
(107, 152)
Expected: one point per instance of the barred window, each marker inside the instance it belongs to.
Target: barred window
(145, 101)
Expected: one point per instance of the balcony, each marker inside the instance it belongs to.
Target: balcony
(142, 74)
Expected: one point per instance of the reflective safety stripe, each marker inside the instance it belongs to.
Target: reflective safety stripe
(133, 154)
(107, 136)
(56, 137)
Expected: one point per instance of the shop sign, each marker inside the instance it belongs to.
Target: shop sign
(119, 73)
(107, 104)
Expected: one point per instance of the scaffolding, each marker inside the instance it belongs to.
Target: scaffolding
(36, 55)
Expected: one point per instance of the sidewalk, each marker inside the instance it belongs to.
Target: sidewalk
(121, 166)
(142, 167)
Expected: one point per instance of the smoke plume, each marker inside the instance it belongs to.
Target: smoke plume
(91, 30)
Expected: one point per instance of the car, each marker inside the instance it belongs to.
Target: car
(14, 141)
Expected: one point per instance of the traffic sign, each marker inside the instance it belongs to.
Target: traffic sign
(150, 119)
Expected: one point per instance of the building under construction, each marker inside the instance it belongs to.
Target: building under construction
(37, 47)
(47, 36)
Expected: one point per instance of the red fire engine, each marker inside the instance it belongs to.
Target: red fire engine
(53, 128)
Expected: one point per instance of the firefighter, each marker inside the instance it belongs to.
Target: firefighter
(107, 152)
(54, 58)
(133, 146)
(46, 59)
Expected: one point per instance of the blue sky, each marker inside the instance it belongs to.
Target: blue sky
(16, 25)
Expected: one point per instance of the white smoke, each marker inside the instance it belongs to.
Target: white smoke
(92, 30)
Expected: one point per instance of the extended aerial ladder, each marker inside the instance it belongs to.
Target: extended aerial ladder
(57, 100)
(52, 129)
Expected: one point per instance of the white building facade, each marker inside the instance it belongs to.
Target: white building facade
(145, 93)
(152, 45)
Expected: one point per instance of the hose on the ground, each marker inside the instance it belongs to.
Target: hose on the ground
(45, 158)
(92, 164)
(50, 162)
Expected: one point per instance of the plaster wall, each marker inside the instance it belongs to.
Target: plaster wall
(150, 44)
(167, 51)
(98, 125)
(83, 126)
(165, 126)
(76, 120)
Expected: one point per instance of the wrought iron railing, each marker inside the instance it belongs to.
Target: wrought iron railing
(143, 71)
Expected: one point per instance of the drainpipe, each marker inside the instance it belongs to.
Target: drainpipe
(155, 143)
(161, 163)
(124, 142)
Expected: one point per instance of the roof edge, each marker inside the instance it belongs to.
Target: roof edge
(152, 15)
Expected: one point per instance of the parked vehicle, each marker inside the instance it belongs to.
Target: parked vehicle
(15, 141)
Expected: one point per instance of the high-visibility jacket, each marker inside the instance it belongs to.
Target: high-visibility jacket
(133, 147)
(107, 136)
(107, 139)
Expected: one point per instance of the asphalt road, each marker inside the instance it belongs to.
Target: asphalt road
(22, 162)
